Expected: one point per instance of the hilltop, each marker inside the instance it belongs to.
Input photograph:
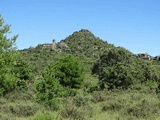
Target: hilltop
(83, 44)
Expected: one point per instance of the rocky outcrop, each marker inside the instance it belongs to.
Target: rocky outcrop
(144, 56)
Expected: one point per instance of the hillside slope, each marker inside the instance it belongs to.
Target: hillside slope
(84, 43)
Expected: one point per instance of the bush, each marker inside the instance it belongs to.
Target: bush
(8, 83)
(112, 107)
(80, 101)
(143, 110)
(98, 96)
(23, 110)
(72, 113)
(45, 116)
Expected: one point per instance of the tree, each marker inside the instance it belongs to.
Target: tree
(48, 87)
(117, 76)
(115, 69)
(69, 72)
(118, 68)
(58, 79)
(150, 73)
(8, 57)
(22, 70)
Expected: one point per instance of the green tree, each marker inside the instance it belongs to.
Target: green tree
(58, 79)
(48, 87)
(23, 72)
(117, 76)
(118, 68)
(8, 57)
(22, 69)
(69, 72)
(115, 69)
(150, 72)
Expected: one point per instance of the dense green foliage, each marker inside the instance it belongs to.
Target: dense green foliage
(84, 44)
(69, 72)
(38, 58)
(14, 72)
(48, 87)
(22, 69)
(118, 68)
(57, 78)
(7, 58)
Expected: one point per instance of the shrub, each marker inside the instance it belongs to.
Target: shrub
(72, 113)
(8, 83)
(112, 106)
(23, 110)
(143, 110)
(98, 96)
(81, 101)
(45, 116)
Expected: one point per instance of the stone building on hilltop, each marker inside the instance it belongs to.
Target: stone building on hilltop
(144, 56)
(49, 45)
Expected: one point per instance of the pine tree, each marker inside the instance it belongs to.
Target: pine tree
(8, 57)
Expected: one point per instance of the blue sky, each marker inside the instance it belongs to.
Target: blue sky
(133, 24)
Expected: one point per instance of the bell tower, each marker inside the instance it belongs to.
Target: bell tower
(53, 44)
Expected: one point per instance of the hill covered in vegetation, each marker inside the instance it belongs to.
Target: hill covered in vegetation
(81, 78)
(82, 44)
